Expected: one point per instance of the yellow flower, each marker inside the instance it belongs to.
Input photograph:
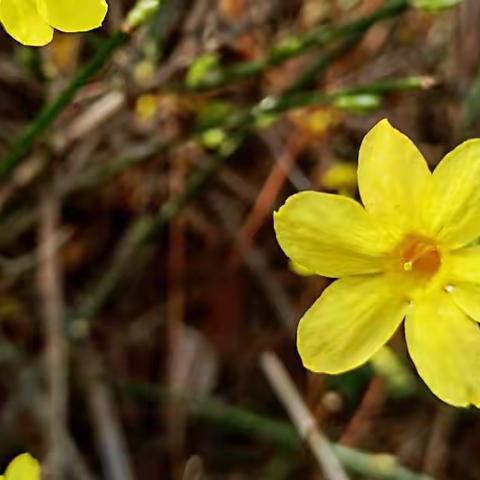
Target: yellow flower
(31, 22)
(23, 467)
(408, 253)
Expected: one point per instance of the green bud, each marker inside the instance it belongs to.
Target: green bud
(434, 5)
(202, 70)
(142, 12)
(287, 47)
(213, 138)
(364, 102)
(215, 113)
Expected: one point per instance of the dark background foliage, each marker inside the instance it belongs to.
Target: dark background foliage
(140, 280)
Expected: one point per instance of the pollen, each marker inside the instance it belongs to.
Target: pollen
(419, 255)
(408, 266)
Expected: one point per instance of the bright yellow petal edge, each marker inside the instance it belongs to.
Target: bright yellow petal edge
(72, 15)
(392, 177)
(21, 21)
(408, 254)
(22, 467)
(32, 22)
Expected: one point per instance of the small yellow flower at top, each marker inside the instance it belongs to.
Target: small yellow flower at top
(32, 22)
(409, 252)
(23, 467)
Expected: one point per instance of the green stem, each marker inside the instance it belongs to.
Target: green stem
(305, 99)
(318, 37)
(52, 110)
(280, 434)
(98, 174)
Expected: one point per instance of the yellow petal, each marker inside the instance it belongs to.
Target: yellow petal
(73, 15)
(392, 177)
(452, 208)
(463, 279)
(22, 21)
(463, 265)
(350, 321)
(300, 269)
(445, 346)
(330, 235)
(23, 467)
(467, 297)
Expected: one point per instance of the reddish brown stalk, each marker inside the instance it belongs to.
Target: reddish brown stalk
(437, 452)
(269, 192)
(176, 314)
(364, 416)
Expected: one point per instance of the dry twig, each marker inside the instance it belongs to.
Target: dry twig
(301, 417)
(51, 293)
(111, 439)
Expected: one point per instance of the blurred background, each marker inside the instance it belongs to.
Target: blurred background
(147, 314)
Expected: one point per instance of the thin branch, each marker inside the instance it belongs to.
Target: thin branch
(368, 409)
(268, 105)
(51, 111)
(316, 38)
(144, 230)
(177, 363)
(437, 451)
(278, 433)
(255, 260)
(109, 433)
(245, 123)
(51, 293)
(301, 417)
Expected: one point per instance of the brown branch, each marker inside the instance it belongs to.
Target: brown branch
(110, 435)
(50, 288)
(301, 417)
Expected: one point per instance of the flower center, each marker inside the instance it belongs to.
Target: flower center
(419, 255)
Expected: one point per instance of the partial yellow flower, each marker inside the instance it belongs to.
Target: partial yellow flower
(407, 253)
(23, 467)
(32, 22)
